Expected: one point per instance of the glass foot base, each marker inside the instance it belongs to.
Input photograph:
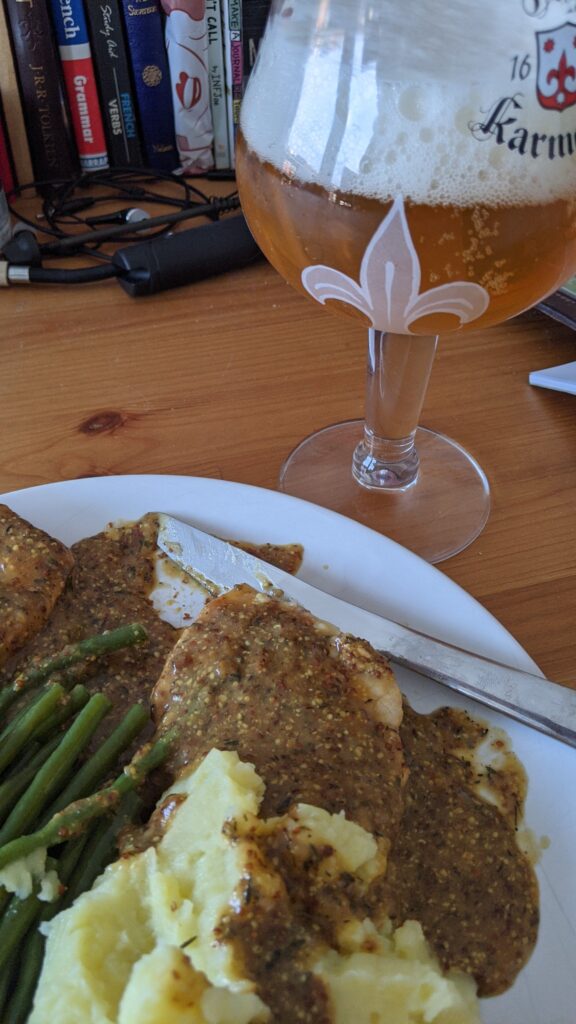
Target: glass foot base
(440, 514)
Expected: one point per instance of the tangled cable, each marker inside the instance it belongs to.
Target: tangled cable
(70, 204)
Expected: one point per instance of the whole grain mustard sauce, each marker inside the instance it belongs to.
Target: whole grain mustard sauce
(454, 863)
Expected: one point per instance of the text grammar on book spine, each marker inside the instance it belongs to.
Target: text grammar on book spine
(80, 79)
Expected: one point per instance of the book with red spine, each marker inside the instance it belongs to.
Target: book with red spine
(80, 79)
(6, 168)
(12, 107)
(7, 179)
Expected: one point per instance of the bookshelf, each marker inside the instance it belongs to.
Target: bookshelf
(132, 96)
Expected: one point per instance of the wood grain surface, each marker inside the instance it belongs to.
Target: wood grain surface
(222, 378)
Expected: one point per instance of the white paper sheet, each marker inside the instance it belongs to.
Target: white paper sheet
(557, 378)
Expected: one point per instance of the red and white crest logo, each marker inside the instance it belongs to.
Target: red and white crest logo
(556, 82)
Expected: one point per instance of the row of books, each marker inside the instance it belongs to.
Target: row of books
(87, 84)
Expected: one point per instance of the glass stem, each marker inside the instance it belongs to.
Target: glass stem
(399, 367)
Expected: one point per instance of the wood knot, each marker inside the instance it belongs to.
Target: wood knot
(103, 423)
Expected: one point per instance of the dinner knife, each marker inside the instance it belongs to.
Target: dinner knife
(218, 566)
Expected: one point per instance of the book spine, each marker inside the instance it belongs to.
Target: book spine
(44, 104)
(232, 10)
(254, 19)
(149, 62)
(10, 94)
(5, 219)
(6, 170)
(113, 79)
(217, 78)
(186, 34)
(80, 80)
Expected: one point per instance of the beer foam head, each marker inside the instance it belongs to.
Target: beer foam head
(441, 105)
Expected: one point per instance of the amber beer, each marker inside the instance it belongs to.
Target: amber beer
(518, 252)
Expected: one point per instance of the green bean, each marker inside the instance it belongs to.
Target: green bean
(18, 918)
(32, 956)
(71, 704)
(100, 848)
(72, 820)
(56, 768)
(18, 733)
(71, 654)
(7, 981)
(95, 770)
(30, 699)
(15, 784)
(67, 861)
(21, 711)
(4, 899)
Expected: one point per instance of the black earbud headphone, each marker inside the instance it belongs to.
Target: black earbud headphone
(163, 260)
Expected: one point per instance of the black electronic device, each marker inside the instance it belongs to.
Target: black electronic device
(148, 267)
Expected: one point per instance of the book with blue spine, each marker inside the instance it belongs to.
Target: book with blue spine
(151, 76)
(114, 83)
(80, 80)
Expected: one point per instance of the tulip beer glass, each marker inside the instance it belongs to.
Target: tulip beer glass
(411, 163)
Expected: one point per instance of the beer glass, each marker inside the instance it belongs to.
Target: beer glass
(410, 163)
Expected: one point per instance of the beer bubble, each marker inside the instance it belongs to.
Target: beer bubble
(464, 117)
(313, 252)
(496, 158)
(435, 136)
(412, 103)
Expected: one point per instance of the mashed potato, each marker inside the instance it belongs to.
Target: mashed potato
(142, 947)
(23, 876)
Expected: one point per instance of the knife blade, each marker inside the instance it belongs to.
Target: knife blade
(218, 566)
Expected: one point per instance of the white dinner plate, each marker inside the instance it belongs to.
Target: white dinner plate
(353, 562)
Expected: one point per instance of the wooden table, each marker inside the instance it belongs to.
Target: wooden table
(224, 377)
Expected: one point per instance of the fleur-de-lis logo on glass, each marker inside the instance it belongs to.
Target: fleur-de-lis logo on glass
(388, 292)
